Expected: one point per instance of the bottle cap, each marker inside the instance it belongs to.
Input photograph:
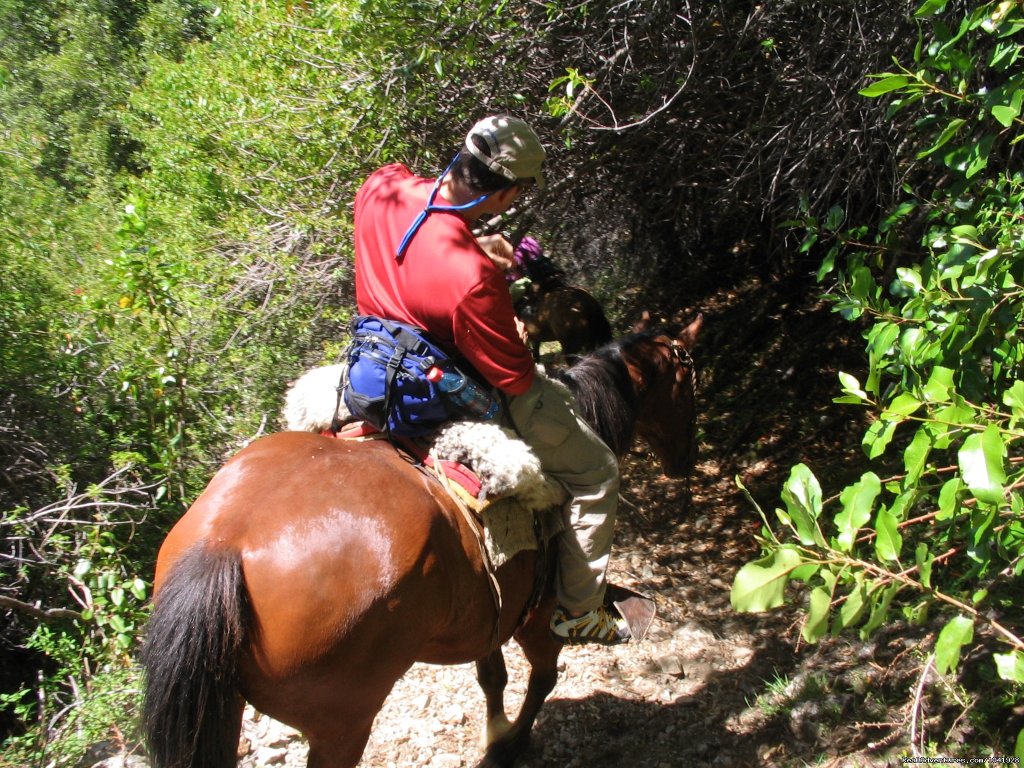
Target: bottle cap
(434, 374)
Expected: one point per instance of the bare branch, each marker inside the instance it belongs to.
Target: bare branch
(42, 614)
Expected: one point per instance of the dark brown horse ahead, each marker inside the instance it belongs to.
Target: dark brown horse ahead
(566, 314)
(312, 573)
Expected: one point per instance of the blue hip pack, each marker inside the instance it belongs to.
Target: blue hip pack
(387, 384)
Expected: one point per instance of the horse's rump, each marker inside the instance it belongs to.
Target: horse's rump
(343, 524)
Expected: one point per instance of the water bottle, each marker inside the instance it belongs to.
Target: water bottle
(468, 396)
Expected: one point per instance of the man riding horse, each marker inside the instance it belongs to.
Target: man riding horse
(418, 262)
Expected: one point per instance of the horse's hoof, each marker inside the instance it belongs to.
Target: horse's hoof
(487, 762)
(504, 754)
(496, 728)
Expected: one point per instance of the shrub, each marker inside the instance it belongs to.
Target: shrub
(938, 284)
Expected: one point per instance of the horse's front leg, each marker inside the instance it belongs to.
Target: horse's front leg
(541, 648)
(492, 676)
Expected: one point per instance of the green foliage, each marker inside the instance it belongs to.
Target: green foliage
(104, 700)
(65, 71)
(86, 544)
(942, 532)
(176, 179)
(571, 84)
(782, 695)
(140, 317)
(256, 141)
(112, 598)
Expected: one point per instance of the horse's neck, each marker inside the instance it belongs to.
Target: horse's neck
(605, 396)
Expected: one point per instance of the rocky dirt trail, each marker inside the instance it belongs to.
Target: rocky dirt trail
(708, 686)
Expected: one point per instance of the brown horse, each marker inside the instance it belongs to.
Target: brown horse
(554, 311)
(313, 572)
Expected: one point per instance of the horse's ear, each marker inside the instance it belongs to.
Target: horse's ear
(643, 323)
(688, 336)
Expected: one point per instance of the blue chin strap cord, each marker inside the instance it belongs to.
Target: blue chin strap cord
(431, 208)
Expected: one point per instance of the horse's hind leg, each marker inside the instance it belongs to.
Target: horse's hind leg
(492, 676)
(341, 751)
(541, 649)
(336, 712)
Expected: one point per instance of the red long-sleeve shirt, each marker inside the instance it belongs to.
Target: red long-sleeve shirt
(444, 284)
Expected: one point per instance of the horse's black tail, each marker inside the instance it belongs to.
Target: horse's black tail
(192, 709)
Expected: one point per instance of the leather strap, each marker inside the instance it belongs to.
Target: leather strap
(478, 532)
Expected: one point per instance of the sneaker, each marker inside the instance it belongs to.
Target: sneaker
(602, 625)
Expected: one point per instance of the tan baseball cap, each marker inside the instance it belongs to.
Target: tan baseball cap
(513, 149)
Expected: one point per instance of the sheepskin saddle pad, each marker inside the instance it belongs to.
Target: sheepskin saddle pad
(516, 502)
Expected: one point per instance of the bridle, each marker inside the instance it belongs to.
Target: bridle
(684, 359)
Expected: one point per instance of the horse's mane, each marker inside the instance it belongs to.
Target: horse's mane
(604, 393)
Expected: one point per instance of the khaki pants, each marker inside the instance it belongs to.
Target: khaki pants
(571, 452)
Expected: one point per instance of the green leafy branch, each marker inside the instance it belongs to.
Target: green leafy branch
(829, 562)
(572, 86)
(944, 533)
